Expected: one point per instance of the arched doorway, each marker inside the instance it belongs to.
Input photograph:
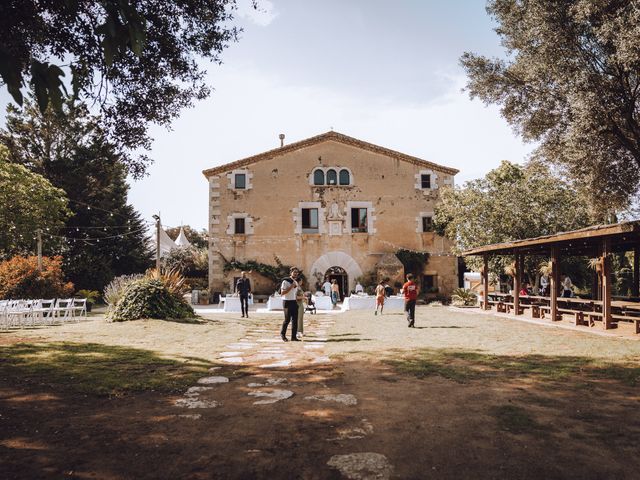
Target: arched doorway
(333, 259)
(340, 275)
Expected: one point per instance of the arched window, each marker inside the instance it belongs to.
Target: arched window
(318, 177)
(332, 177)
(344, 177)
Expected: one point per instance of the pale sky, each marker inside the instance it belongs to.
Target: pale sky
(381, 71)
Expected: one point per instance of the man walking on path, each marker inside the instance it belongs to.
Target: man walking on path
(326, 287)
(288, 291)
(410, 291)
(243, 287)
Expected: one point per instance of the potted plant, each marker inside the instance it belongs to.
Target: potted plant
(203, 298)
(92, 297)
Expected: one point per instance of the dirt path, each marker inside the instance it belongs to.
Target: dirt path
(333, 407)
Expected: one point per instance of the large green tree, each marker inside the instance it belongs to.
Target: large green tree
(28, 202)
(571, 82)
(105, 236)
(138, 60)
(511, 202)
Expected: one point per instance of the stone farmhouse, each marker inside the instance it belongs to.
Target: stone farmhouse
(331, 205)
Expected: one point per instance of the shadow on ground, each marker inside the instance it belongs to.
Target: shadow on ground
(80, 411)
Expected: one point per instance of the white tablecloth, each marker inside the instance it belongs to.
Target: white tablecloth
(368, 302)
(323, 302)
(232, 303)
(275, 303)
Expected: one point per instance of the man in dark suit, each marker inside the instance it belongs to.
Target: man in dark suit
(243, 287)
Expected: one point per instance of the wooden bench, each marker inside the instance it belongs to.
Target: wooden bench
(627, 318)
(547, 310)
(577, 314)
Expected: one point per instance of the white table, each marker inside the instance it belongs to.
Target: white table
(275, 303)
(359, 302)
(368, 302)
(322, 302)
(232, 303)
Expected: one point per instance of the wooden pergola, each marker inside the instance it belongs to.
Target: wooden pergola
(597, 242)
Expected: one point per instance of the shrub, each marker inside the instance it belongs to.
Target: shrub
(173, 281)
(460, 296)
(113, 292)
(196, 283)
(150, 298)
(20, 278)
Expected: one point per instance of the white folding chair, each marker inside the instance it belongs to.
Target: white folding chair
(63, 309)
(79, 307)
(43, 311)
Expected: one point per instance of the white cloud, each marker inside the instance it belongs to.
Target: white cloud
(262, 14)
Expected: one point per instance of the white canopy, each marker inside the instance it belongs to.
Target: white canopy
(182, 240)
(166, 244)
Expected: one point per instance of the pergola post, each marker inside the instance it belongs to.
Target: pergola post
(636, 272)
(516, 286)
(606, 284)
(554, 282)
(485, 281)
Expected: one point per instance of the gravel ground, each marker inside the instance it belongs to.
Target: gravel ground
(354, 332)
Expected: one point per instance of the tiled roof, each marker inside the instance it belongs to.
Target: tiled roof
(333, 136)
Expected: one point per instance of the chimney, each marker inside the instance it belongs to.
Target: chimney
(281, 136)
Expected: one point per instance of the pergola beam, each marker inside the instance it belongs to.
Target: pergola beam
(606, 283)
(554, 282)
(516, 286)
(485, 281)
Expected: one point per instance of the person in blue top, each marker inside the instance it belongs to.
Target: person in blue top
(243, 288)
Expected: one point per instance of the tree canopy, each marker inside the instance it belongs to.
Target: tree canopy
(571, 82)
(511, 202)
(28, 202)
(139, 61)
(105, 237)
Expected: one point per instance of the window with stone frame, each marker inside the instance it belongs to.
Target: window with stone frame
(332, 177)
(344, 177)
(427, 224)
(239, 226)
(310, 220)
(359, 220)
(240, 181)
(318, 177)
(425, 180)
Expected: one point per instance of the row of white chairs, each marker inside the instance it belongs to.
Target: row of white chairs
(31, 313)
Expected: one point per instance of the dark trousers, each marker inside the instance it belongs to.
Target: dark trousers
(290, 315)
(244, 304)
(410, 308)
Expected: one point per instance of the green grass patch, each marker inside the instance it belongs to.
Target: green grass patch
(97, 369)
(465, 366)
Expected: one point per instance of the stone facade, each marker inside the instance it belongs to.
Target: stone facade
(328, 202)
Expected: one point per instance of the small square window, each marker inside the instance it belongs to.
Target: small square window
(427, 224)
(239, 224)
(240, 181)
(309, 220)
(425, 180)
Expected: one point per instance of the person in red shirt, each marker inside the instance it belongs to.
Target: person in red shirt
(410, 291)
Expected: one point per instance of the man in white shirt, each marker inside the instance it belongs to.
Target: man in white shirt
(288, 290)
(326, 287)
(359, 288)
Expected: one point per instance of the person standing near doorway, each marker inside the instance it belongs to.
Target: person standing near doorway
(335, 292)
(410, 292)
(243, 288)
(326, 287)
(288, 290)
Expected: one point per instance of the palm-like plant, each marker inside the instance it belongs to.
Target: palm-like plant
(546, 268)
(172, 279)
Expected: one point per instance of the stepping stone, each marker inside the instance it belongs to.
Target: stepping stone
(230, 354)
(311, 345)
(283, 363)
(212, 380)
(271, 397)
(268, 356)
(269, 340)
(268, 383)
(191, 402)
(344, 398)
(321, 360)
(213, 369)
(232, 359)
(195, 391)
(242, 346)
(361, 466)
